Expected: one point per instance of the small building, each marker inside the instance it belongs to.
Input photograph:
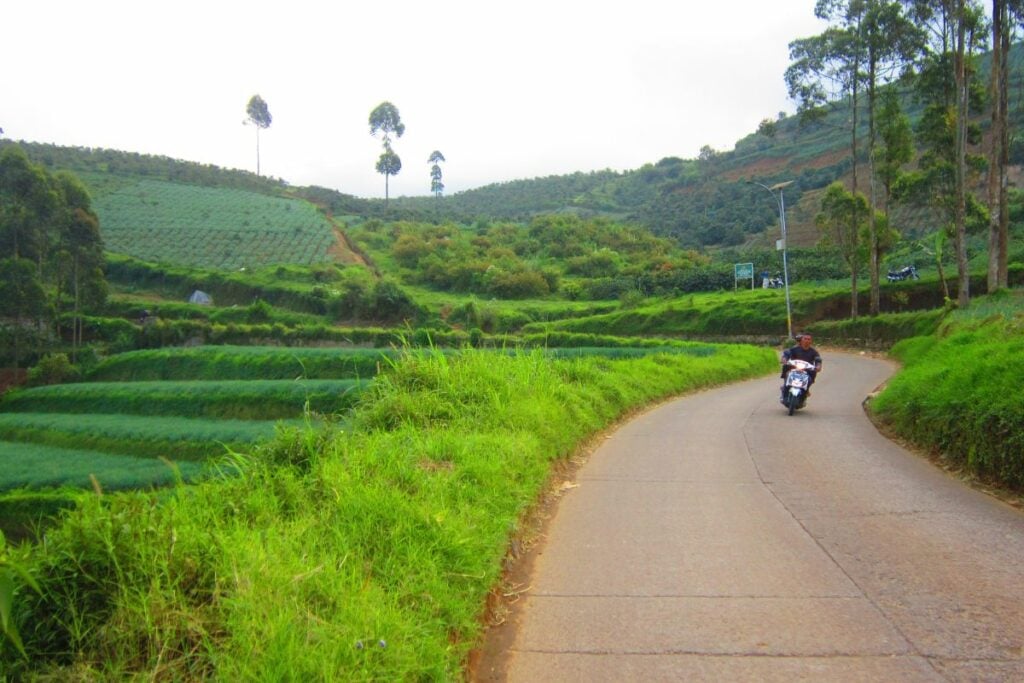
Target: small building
(200, 297)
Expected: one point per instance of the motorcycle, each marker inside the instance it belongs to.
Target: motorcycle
(905, 273)
(798, 382)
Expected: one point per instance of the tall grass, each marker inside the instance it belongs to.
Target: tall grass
(365, 555)
(959, 393)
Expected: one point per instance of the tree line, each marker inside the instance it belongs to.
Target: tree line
(874, 55)
(51, 254)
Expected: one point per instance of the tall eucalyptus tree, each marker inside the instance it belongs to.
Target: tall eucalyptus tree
(947, 84)
(826, 71)
(1004, 14)
(385, 119)
(868, 44)
(436, 186)
(259, 116)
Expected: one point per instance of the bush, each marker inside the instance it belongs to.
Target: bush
(53, 369)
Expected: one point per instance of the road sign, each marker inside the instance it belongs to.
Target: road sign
(743, 271)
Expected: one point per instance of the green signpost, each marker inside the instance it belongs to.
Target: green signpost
(743, 271)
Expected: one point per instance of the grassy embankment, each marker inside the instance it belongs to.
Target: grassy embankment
(959, 394)
(366, 554)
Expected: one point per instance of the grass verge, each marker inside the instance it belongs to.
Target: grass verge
(959, 394)
(364, 555)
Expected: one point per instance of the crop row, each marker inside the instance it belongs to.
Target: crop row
(158, 197)
(228, 399)
(274, 362)
(36, 466)
(191, 246)
(240, 363)
(168, 437)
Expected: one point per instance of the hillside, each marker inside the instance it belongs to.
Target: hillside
(700, 203)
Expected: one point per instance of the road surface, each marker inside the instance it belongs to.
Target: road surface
(716, 538)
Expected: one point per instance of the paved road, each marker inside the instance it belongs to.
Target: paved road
(716, 538)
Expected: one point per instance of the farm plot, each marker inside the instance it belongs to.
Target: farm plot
(241, 363)
(37, 466)
(228, 399)
(137, 434)
(210, 227)
(175, 438)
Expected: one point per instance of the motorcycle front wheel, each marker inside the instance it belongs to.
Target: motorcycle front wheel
(791, 402)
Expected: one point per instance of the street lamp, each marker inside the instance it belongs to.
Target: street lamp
(782, 221)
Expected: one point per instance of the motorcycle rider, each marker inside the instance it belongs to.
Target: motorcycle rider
(802, 350)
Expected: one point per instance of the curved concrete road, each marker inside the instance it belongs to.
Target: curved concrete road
(716, 538)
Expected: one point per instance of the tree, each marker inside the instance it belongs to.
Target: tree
(891, 41)
(826, 69)
(897, 145)
(868, 45)
(999, 156)
(436, 186)
(21, 297)
(47, 223)
(767, 128)
(259, 116)
(386, 119)
(708, 153)
(27, 204)
(79, 252)
(947, 84)
(842, 219)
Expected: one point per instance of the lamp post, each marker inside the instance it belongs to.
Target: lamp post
(785, 266)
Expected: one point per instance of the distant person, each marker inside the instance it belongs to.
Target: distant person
(802, 350)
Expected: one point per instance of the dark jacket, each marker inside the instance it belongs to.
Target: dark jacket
(798, 352)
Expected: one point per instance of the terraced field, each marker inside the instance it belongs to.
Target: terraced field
(151, 417)
(206, 227)
(130, 434)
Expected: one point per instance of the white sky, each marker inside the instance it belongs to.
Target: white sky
(505, 90)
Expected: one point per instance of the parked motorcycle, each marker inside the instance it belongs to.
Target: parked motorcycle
(798, 382)
(905, 273)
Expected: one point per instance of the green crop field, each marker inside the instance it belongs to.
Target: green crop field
(229, 399)
(209, 227)
(240, 362)
(36, 466)
(127, 433)
(175, 438)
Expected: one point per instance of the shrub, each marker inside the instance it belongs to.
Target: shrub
(53, 369)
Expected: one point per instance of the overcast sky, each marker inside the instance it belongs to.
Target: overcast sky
(505, 90)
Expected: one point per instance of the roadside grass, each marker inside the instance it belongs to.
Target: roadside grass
(364, 554)
(959, 393)
(174, 438)
(229, 399)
